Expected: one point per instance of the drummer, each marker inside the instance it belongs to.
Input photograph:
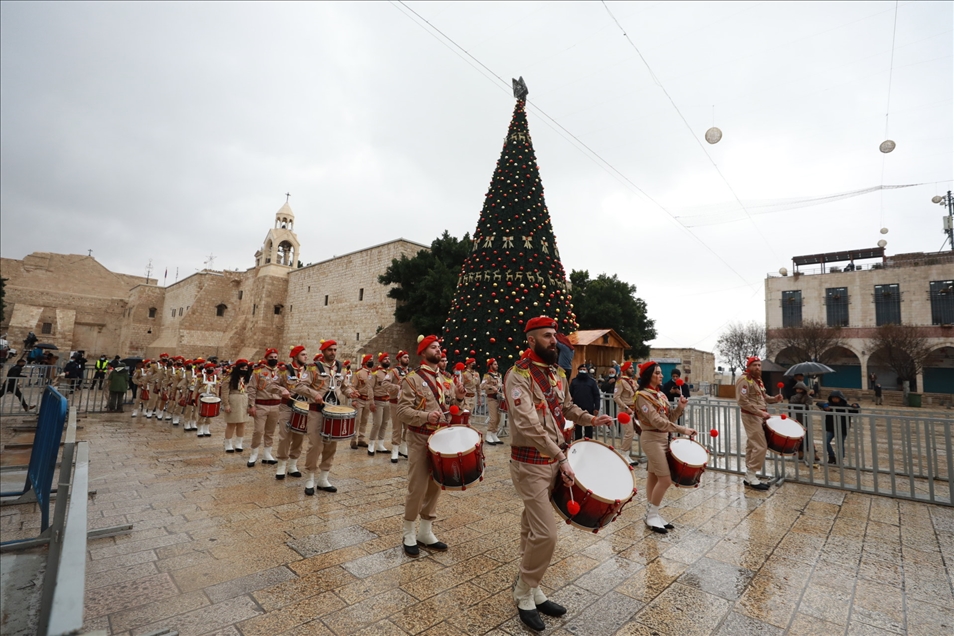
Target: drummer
(657, 420)
(326, 385)
(538, 401)
(424, 398)
(624, 394)
(265, 395)
(289, 443)
(753, 399)
(398, 430)
(208, 384)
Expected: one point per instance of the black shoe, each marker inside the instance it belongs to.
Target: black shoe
(297, 473)
(239, 450)
(440, 546)
(363, 444)
(328, 488)
(309, 491)
(531, 618)
(658, 530)
(393, 461)
(354, 445)
(758, 486)
(402, 455)
(551, 609)
(371, 453)
(669, 526)
(411, 550)
(282, 476)
(229, 450)
(250, 464)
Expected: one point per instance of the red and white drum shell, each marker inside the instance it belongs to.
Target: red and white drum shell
(687, 461)
(298, 422)
(184, 401)
(462, 418)
(144, 395)
(337, 422)
(456, 457)
(604, 483)
(783, 435)
(209, 405)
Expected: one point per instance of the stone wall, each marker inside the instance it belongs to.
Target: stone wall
(697, 366)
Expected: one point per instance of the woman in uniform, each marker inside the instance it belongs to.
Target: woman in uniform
(235, 403)
(657, 420)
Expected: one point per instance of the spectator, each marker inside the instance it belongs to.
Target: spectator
(879, 398)
(564, 353)
(118, 382)
(102, 365)
(672, 390)
(837, 422)
(800, 402)
(609, 385)
(12, 385)
(616, 368)
(585, 393)
(73, 372)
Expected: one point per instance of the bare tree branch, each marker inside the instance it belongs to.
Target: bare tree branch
(903, 348)
(739, 341)
(814, 341)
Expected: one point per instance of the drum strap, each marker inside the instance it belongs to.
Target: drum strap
(540, 377)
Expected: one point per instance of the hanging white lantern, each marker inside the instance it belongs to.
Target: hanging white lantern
(713, 135)
(884, 230)
(887, 146)
(882, 243)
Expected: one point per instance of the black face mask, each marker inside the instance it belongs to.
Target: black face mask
(369, 364)
(272, 363)
(385, 364)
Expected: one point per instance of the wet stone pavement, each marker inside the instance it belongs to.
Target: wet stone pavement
(219, 548)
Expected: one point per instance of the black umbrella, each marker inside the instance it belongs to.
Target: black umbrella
(46, 345)
(131, 362)
(809, 368)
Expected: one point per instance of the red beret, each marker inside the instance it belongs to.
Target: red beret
(401, 353)
(327, 343)
(240, 361)
(295, 351)
(209, 365)
(269, 352)
(540, 322)
(470, 361)
(626, 366)
(383, 356)
(318, 357)
(367, 358)
(490, 362)
(642, 367)
(199, 360)
(459, 366)
(423, 342)
(163, 355)
(750, 360)
(346, 363)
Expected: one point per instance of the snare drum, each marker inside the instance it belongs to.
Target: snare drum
(144, 395)
(298, 422)
(209, 405)
(687, 461)
(337, 422)
(456, 457)
(184, 401)
(462, 417)
(783, 435)
(604, 483)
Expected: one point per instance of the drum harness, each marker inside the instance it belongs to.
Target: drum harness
(438, 395)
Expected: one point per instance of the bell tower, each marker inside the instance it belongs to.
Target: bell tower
(280, 252)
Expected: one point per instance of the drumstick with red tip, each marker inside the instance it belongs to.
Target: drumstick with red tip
(571, 506)
(623, 418)
(780, 385)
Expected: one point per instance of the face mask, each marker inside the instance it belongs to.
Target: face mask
(386, 364)
(272, 363)
(369, 365)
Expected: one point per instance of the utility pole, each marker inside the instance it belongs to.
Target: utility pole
(948, 202)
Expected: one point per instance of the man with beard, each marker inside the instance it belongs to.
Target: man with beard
(364, 384)
(538, 403)
(327, 385)
(752, 398)
(380, 392)
(471, 381)
(491, 386)
(295, 379)
(425, 396)
(265, 395)
(398, 430)
(625, 397)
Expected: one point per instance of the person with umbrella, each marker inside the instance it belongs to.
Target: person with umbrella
(753, 399)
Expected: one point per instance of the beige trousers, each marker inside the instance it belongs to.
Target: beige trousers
(379, 425)
(538, 524)
(493, 414)
(398, 430)
(627, 445)
(289, 444)
(318, 446)
(422, 491)
(266, 417)
(362, 416)
(755, 445)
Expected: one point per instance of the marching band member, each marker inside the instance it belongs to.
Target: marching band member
(491, 386)
(538, 401)
(364, 384)
(424, 397)
(207, 385)
(175, 382)
(153, 384)
(139, 379)
(327, 385)
(380, 390)
(235, 403)
(753, 399)
(625, 397)
(471, 381)
(398, 429)
(657, 420)
(265, 395)
(289, 443)
(187, 388)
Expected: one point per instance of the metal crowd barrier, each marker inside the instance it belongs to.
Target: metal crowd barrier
(85, 394)
(898, 454)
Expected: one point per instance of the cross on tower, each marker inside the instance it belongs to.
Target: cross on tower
(211, 261)
(287, 195)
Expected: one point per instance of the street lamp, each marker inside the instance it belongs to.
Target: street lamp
(948, 202)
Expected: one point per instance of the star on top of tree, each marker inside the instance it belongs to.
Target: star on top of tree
(520, 90)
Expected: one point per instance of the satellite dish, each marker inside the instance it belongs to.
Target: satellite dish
(713, 135)
(884, 230)
(783, 271)
(937, 198)
(887, 146)
(882, 243)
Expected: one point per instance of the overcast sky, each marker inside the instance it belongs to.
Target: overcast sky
(171, 131)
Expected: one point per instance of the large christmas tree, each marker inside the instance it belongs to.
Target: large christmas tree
(513, 272)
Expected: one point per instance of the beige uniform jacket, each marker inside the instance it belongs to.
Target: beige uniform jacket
(654, 412)
(323, 379)
(751, 395)
(298, 380)
(471, 382)
(395, 378)
(625, 393)
(381, 387)
(491, 384)
(364, 384)
(265, 384)
(533, 423)
(416, 400)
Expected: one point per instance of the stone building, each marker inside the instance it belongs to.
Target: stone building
(912, 289)
(697, 367)
(75, 303)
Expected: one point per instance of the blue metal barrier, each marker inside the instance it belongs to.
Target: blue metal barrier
(46, 448)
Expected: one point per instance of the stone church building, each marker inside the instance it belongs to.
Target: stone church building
(75, 303)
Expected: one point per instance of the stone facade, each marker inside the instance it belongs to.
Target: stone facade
(697, 366)
(912, 273)
(211, 313)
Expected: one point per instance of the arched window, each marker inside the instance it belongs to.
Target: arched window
(220, 309)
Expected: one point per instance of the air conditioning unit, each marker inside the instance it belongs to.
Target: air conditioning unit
(948, 224)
